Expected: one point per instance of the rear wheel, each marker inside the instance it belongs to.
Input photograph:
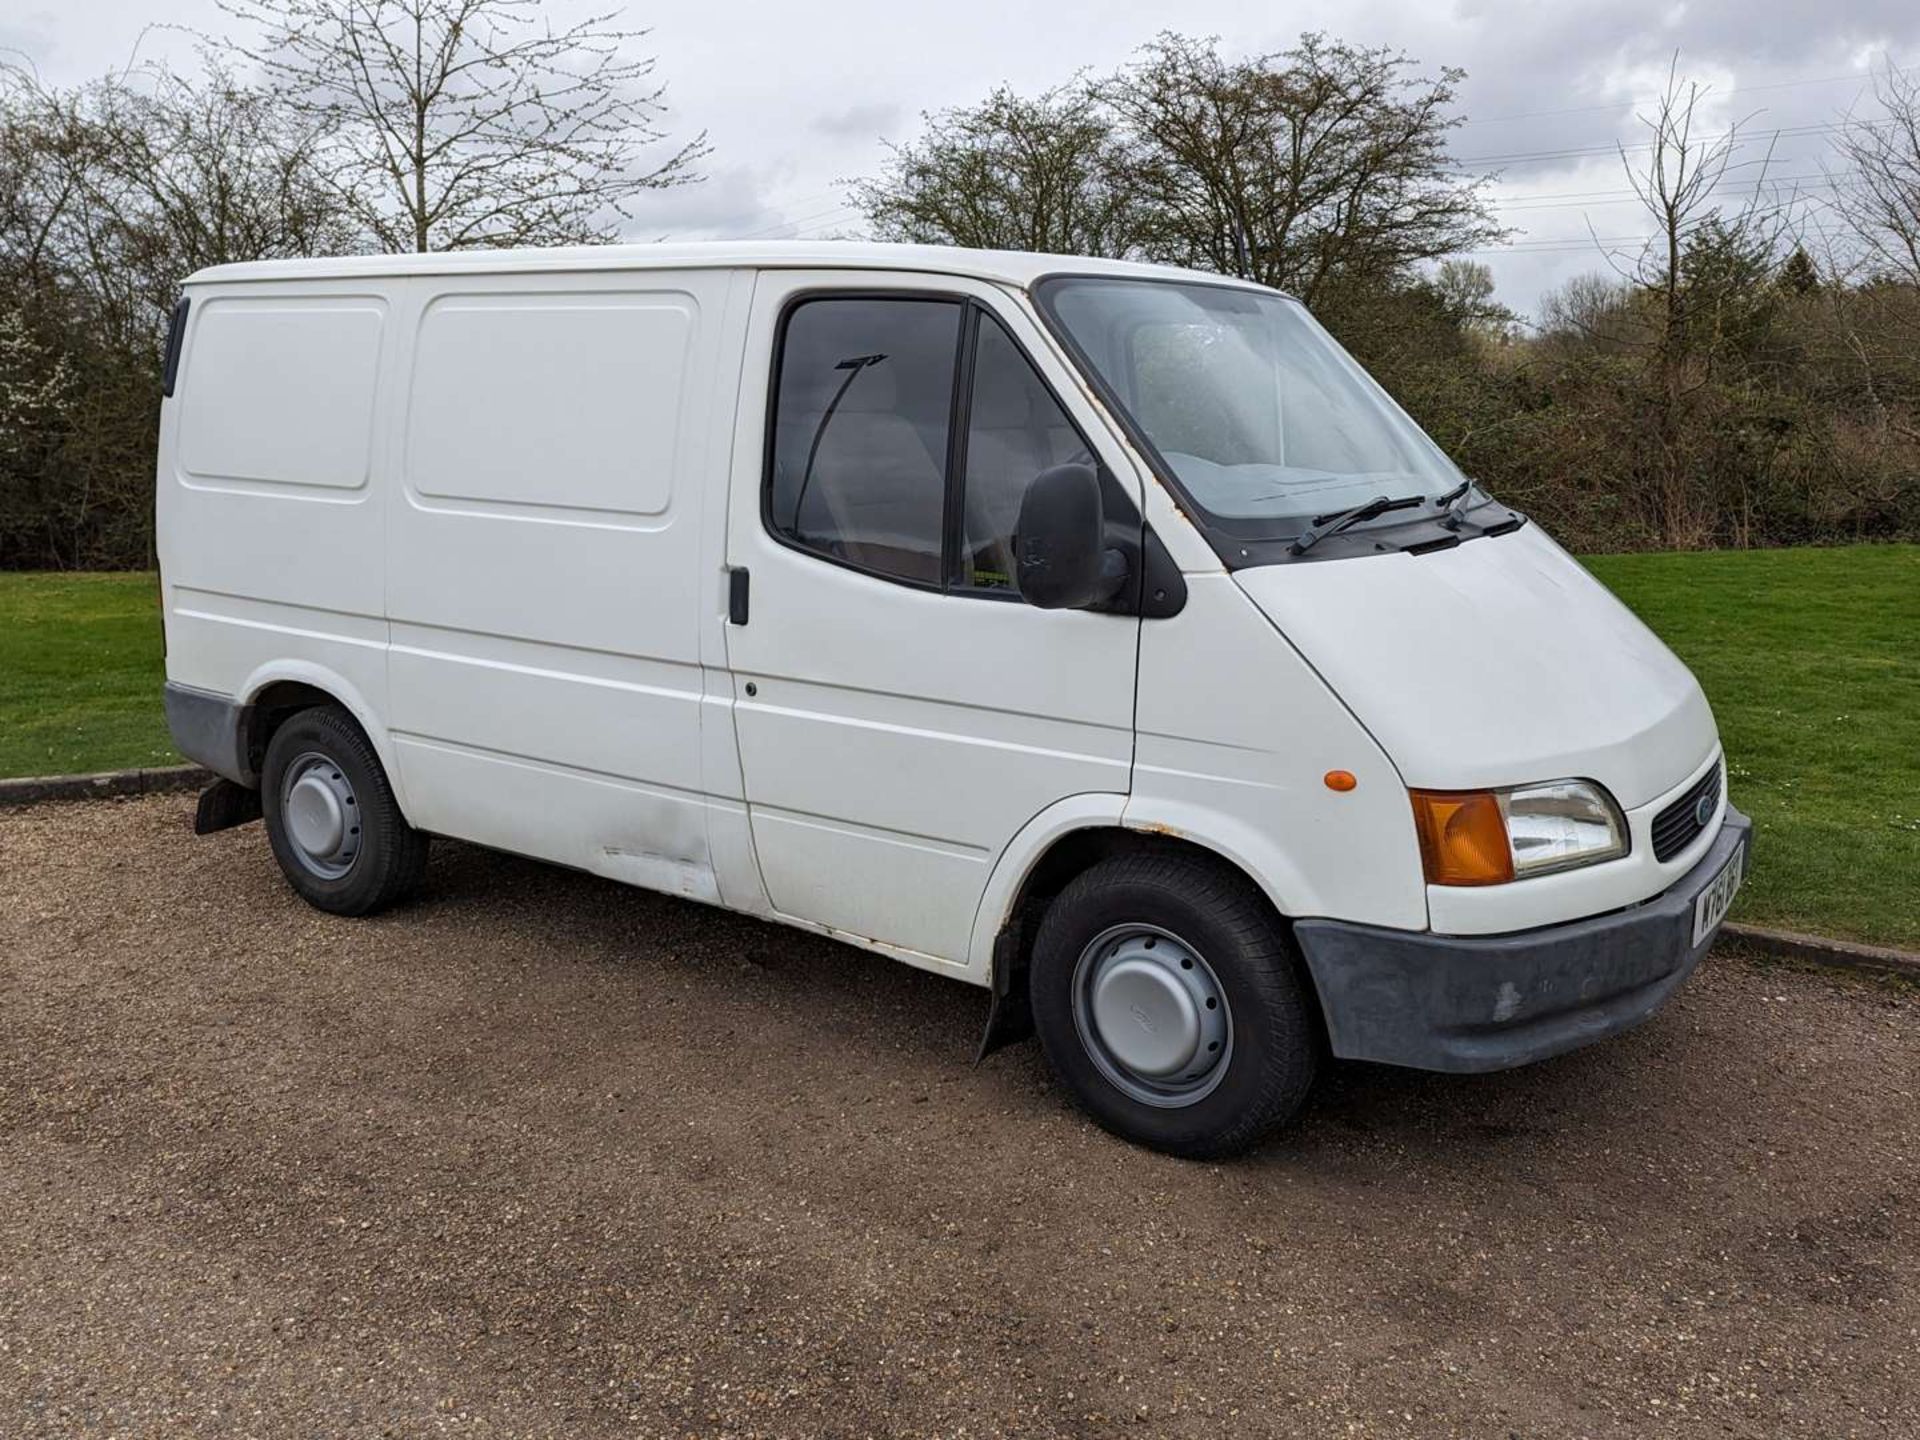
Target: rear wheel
(331, 817)
(1170, 1002)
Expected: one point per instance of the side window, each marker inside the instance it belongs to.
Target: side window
(860, 431)
(1015, 430)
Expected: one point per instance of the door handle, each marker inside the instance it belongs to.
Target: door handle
(737, 596)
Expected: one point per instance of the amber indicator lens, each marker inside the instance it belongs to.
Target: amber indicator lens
(1463, 837)
(1341, 780)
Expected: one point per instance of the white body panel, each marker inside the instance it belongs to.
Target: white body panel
(554, 456)
(1235, 736)
(269, 518)
(1495, 664)
(490, 503)
(900, 737)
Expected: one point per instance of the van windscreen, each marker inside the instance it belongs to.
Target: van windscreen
(1254, 412)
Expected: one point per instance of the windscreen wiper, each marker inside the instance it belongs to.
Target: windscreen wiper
(1325, 525)
(1457, 501)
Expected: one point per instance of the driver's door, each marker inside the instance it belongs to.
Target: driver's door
(901, 712)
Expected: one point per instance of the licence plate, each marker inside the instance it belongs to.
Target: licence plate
(1711, 905)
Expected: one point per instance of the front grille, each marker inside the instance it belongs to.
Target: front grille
(1675, 827)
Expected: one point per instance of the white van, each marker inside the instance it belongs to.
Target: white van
(1093, 632)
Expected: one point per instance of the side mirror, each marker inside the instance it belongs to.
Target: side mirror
(1061, 559)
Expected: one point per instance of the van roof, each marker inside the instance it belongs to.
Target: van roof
(1010, 267)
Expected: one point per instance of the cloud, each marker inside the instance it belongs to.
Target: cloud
(732, 202)
(859, 122)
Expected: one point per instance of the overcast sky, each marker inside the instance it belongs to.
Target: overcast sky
(796, 97)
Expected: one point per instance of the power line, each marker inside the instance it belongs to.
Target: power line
(1568, 248)
(1569, 245)
(848, 213)
(1736, 139)
(828, 215)
(1556, 243)
(1601, 198)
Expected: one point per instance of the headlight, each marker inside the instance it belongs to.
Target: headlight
(1561, 824)
(1492, 836)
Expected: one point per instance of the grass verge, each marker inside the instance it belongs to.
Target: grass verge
(80, 672)
(1811, 659)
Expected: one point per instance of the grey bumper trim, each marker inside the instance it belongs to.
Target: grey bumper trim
(1470, 1003)
(211, 730)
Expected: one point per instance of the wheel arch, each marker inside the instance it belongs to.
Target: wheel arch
(1067, 844)
(1073, 834)
(275, 692)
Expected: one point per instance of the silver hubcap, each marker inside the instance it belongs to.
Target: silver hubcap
(1152, 1015)
(322, 815)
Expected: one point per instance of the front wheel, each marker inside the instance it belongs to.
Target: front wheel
(1170, 1002)
(331, 817)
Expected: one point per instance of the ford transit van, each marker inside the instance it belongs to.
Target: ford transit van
(1095, 633)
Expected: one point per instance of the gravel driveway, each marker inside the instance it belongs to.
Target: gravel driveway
(539, 1155)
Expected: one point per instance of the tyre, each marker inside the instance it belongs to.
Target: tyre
(331, 817)
(1171, 1002)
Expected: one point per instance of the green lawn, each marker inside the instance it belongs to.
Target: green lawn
(80, 673)
(1811, 659)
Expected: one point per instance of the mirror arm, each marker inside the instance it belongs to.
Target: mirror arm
(1116, 568)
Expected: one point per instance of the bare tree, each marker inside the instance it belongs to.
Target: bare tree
(1677, 184)
(53, 224)
(1869, 245)
(207, 171)
(453, 124)
(1601, 313)
(1323, 166)
(1319, 168)
(110, 193)
(1678, 180)
(1010, 173)
(1465, 291)
(1880, 195)
(122, 186)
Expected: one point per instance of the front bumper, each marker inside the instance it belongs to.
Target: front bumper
(1490, 1002)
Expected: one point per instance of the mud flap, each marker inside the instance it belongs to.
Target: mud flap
(224, 805)
(1009, 1017)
